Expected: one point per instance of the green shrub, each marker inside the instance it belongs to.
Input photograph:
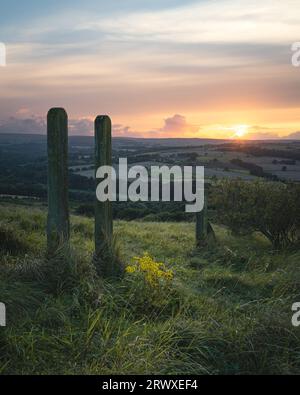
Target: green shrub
(267, 207)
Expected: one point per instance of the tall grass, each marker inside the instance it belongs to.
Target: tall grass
(228, 310)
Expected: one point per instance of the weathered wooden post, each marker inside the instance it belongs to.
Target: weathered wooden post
(204, 231)
(58, 227)
(103, 210)
(202, 225)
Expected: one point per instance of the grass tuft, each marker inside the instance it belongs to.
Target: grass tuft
(226, 311)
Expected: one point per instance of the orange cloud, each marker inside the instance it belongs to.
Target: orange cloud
(178, 125)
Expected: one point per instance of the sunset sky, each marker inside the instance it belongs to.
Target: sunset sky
(159, 68)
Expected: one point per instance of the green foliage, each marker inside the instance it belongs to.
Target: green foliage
(227, 309)
(266, 207)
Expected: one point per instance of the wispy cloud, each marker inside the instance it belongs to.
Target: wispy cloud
(208, 21)
(140, 61)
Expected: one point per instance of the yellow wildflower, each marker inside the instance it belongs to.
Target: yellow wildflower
(153, 272)
(130, 269)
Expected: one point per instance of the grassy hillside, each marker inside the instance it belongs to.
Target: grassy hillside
(227, 309)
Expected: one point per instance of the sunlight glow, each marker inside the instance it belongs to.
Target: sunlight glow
(240, 131)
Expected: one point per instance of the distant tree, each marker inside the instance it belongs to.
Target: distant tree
(267, 207)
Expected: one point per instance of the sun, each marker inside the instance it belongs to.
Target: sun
(240, 131)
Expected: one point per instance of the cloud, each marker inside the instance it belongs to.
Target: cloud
(121, 130)
(262, 136)
(81, 127)
(23, 111)
(177, 57)
(77, 127)
(293, 136)
(257, 132)
(178, 125)
(265, 133)
(223, 20)
(35, 125)
(175, 126)
(38, 125)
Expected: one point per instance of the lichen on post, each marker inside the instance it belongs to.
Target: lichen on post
(58, 226)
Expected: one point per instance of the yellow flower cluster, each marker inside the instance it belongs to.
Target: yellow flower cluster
(153, 271)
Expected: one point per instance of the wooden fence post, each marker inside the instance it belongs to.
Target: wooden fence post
(204, 231)
(103, 210)
(58, 226)
(202, 225)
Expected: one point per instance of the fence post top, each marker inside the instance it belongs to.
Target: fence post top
(57, 111)
(102, 118)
